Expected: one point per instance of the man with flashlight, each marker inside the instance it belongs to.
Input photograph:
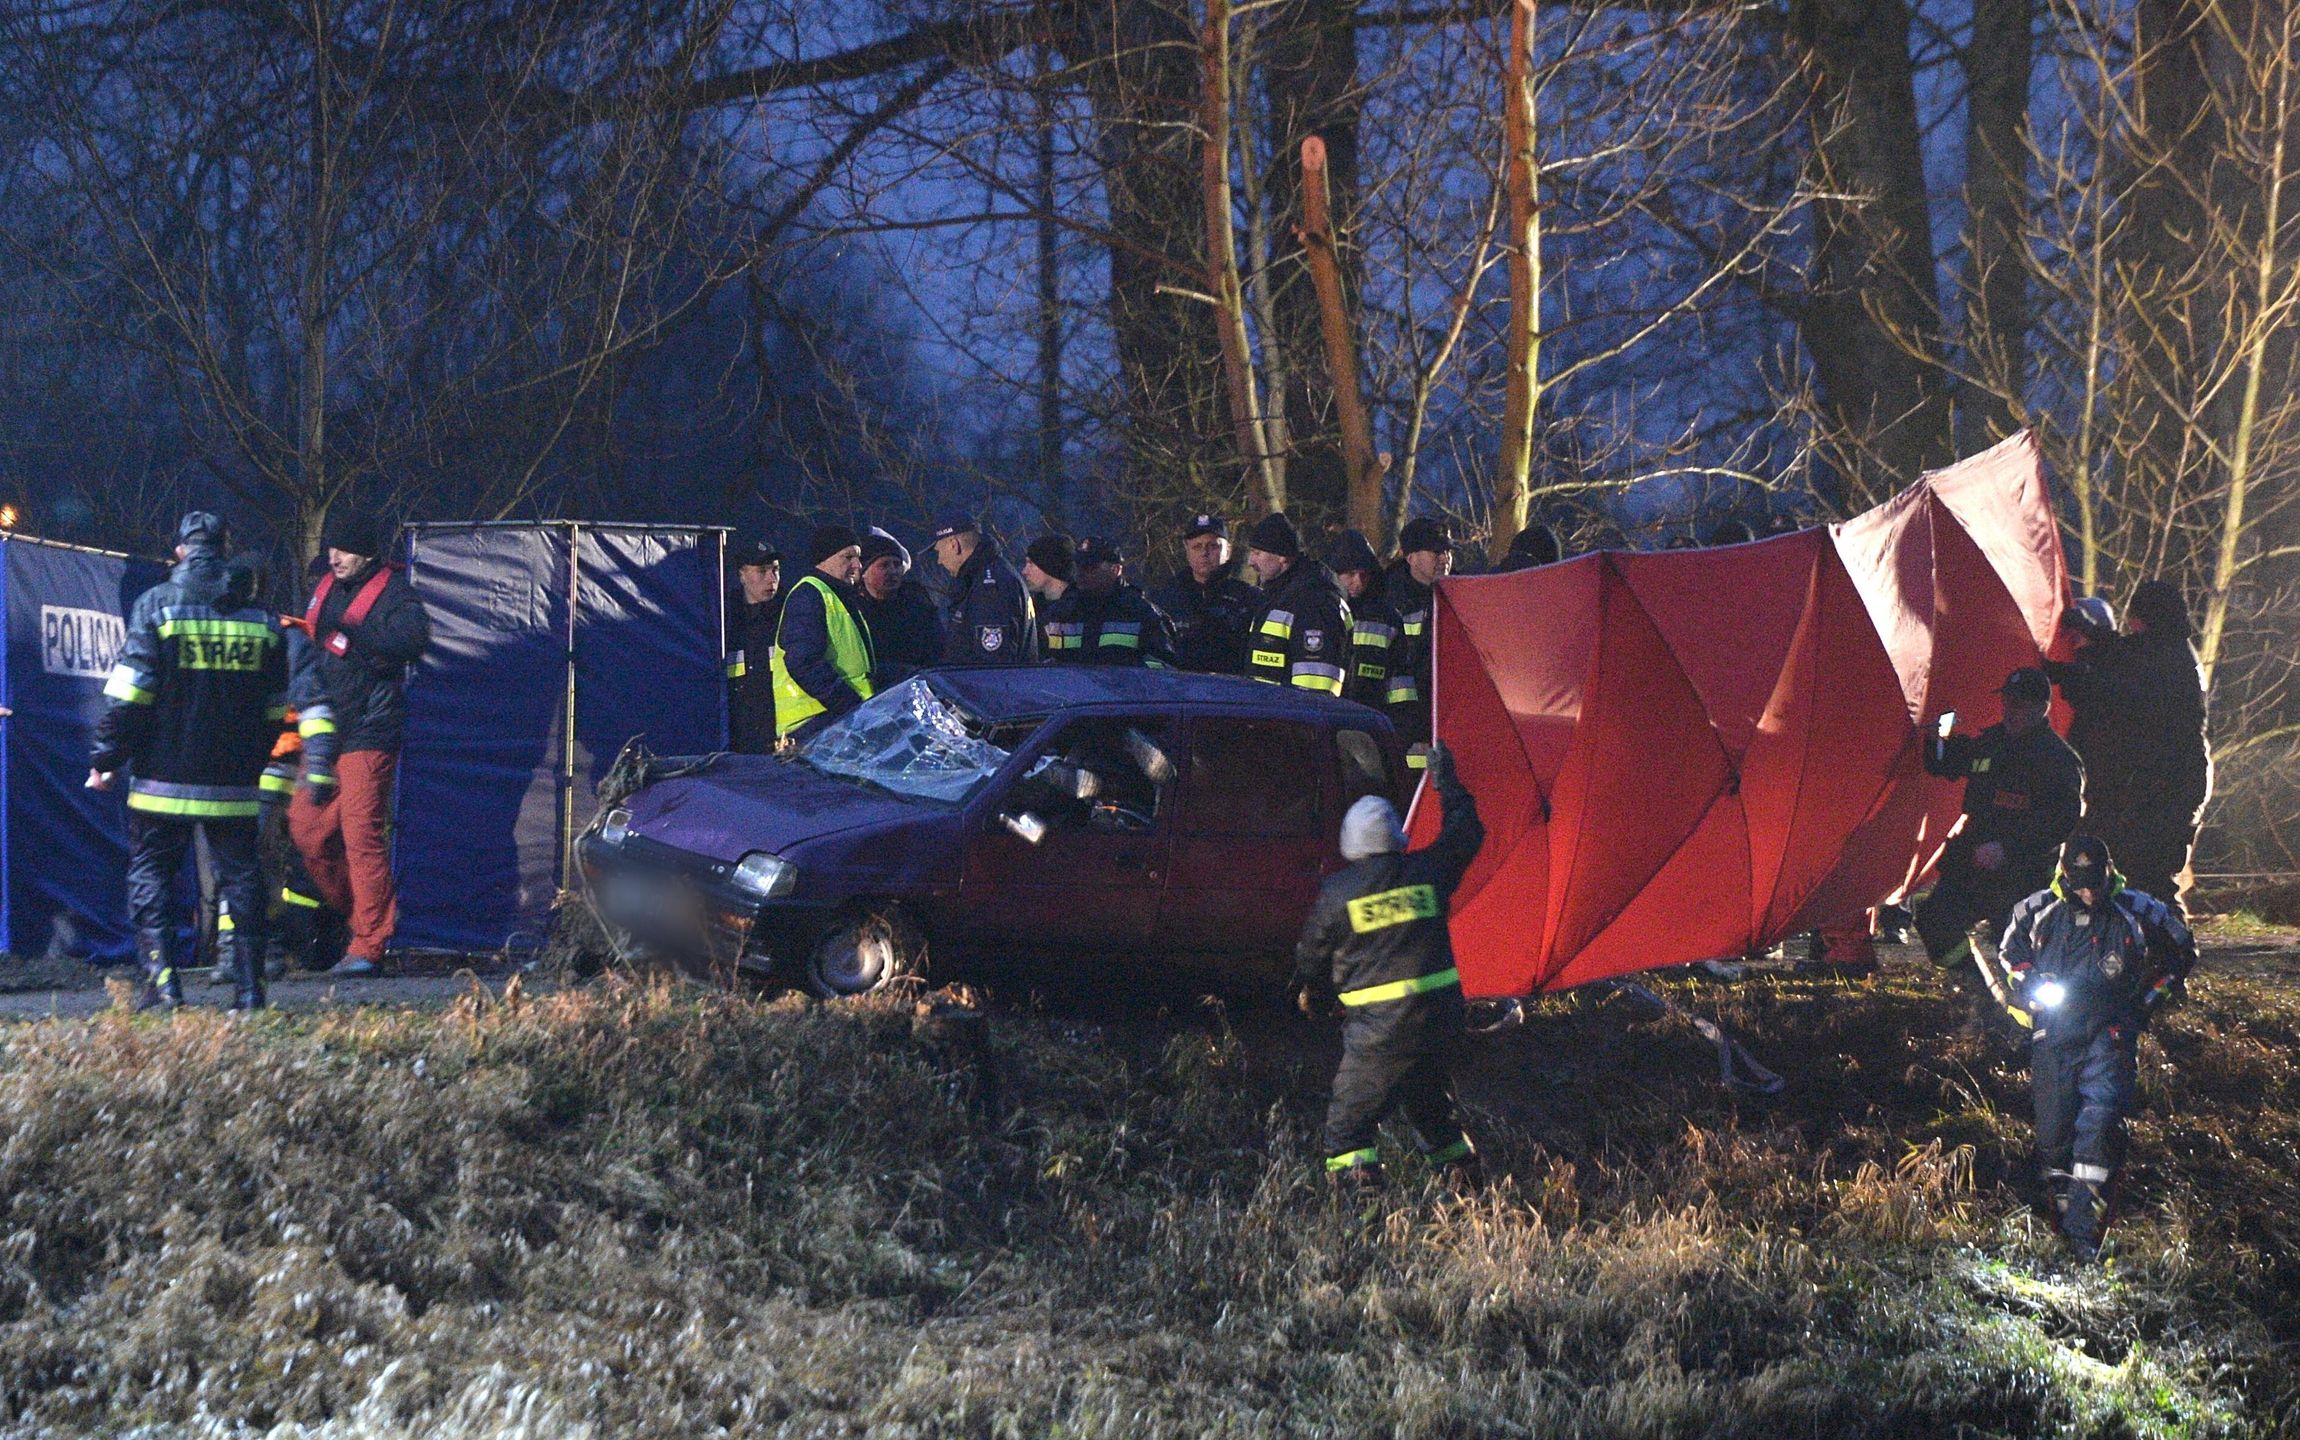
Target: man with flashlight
(2089, 963)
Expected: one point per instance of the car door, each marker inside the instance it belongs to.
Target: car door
(1095, 876)
(1254, 835)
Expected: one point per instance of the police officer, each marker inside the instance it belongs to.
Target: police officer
(905, 631)
(2024, 791)
(1300, 635)
(751, 619)
(2089, 962)
(1209, 605)
(1376, 940)
(1425, 556)
(198, 693)
(1102, 620)
(2140, 725)
(1380, 670)
(991, 620)
(821, 658)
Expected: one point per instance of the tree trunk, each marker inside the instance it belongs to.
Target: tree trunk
(1996, 237)
(1341, 346)
(1871, 324)
(1222, 257)
(1309, 55)
(1521, 397)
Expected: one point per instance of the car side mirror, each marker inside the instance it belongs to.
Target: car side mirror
(1144, 752)
(1025, 824)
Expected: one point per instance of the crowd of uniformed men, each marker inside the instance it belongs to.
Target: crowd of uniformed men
(2056, 908)
(856, 618)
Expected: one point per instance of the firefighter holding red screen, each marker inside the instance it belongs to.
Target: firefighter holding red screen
(1376, 940)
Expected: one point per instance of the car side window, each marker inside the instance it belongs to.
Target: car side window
(1254, 777)
(1364, 771)
(1111, 774)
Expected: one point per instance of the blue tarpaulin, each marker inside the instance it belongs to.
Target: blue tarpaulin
(552, 645)
(63, 848)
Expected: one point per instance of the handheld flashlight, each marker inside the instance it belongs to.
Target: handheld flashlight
(2049, 993)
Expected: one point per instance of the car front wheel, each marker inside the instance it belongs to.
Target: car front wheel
(870, 948)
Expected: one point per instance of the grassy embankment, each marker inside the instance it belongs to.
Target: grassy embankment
(628, 1211)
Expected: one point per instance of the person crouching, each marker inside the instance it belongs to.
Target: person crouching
(1376, 940)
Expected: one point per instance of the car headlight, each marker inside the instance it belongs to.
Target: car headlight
(2050, 993)
(765, 876)
(615, 825)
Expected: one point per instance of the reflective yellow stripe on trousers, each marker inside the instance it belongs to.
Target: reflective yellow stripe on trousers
(1400, 989)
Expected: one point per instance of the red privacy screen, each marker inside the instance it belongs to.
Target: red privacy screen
(1693, 753)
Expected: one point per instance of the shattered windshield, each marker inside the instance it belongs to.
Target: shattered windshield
(910, 740)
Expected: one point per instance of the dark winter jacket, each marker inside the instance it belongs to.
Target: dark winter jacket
(1301, 634)
(905, 631)
(750, 675)
(1381, 673)
(1118, 627)
(1417, 615)
(991, 620)
(1209, 620)
(2116, 961)
(366, 685)
(1376, 936)
(2025, 792)
(197, 697)
(2140, 724)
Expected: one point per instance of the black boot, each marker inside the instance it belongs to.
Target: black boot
(247, 973)
(162, 986)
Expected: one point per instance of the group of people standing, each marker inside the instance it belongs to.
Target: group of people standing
(857, 619)
(2058, 903)
(232, 721)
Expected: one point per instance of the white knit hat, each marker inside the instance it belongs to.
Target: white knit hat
(1372, 828)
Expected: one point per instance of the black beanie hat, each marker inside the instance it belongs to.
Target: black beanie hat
(353, 531)
(1056, 555)
(877, 544)
(2160, 604)
(1275, 534)
(1351, 551)
(1536, 544)
(829, 540)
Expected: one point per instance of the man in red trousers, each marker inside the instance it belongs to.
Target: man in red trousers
(366, 626)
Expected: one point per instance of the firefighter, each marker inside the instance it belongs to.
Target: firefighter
(821, 659)
(2089, 962)
(1049, 568)
(1209, 605)
(367, 627)
(2024, 792)
(1425, 556)
(1300, 635)
(2140, 725)
(1380, 671)
(905, 630)
(196, 696)
(751, 619)
(1376, 941)
(991, 619)
(1102, 620)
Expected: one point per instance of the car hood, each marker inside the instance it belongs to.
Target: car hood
(755, 802)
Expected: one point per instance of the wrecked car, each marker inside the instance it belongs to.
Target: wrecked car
(1046, 813)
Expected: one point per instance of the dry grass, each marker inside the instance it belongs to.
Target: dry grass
(642, 1211)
